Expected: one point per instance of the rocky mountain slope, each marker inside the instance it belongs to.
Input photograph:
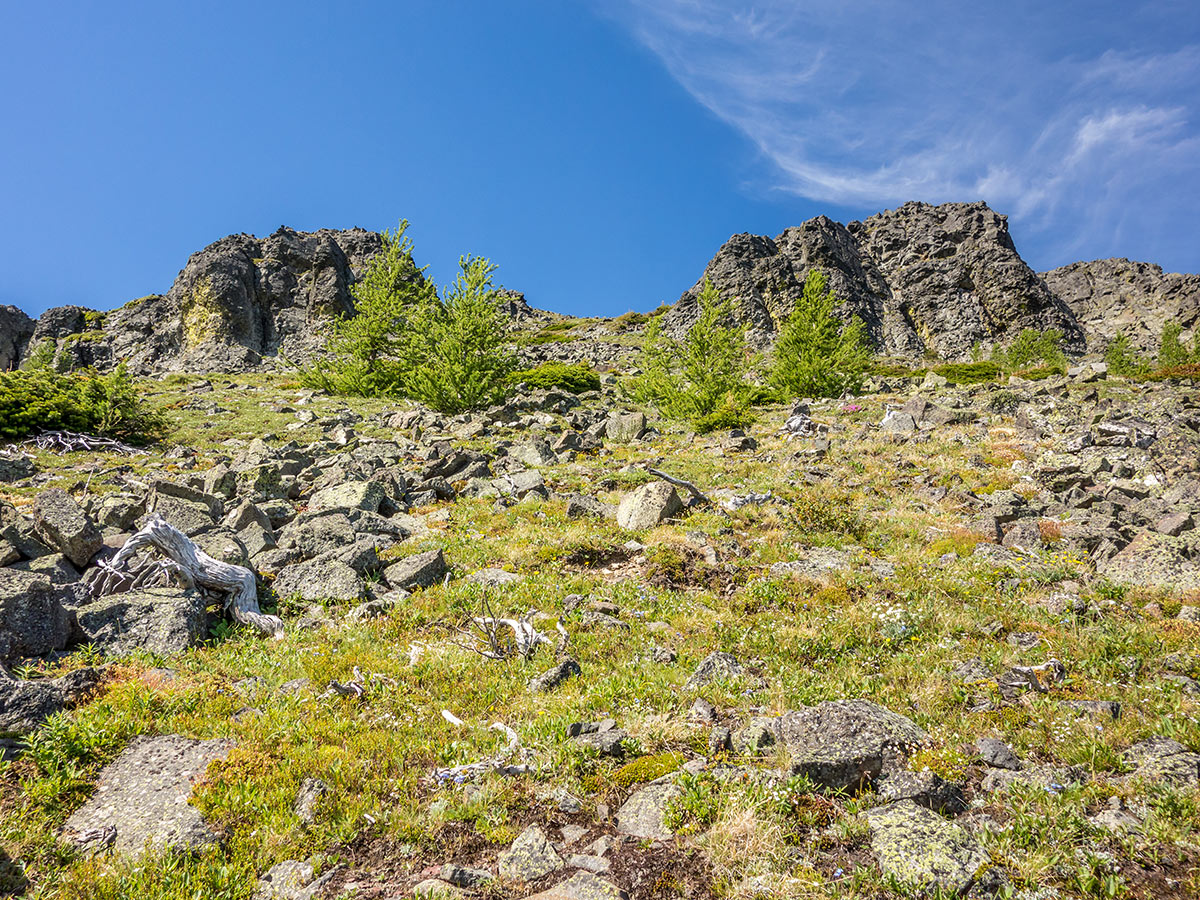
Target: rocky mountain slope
(935, 641)
(924, 279)
(238, 303)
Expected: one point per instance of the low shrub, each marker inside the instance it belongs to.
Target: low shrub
(730, 414)
(39, 399)
(630, 319)
(969, 373)
(647, 768)
(578, 378)
(1175, 373)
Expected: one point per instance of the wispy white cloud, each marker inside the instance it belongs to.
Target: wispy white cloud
(868, 103)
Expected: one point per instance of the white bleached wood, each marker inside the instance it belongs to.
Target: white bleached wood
(191, 566)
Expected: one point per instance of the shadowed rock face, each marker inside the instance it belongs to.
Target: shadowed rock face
(15, 330)
(922, 278)
(1112, 295)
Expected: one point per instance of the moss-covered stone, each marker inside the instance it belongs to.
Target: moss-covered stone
(647, 768)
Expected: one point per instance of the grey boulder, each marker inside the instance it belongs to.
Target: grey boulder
(33, 619)
(847, 744)
(163, 620)
(530, 857)
(648, 506)
(644, 813)
(919, 847)
(422, 570)
(24, 705)
(62, 525)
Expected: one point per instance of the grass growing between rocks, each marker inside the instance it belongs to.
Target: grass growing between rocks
(699, 584)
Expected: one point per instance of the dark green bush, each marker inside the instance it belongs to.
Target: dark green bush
(882, 369)
(969, 373)
(732, 414)
(577, 378)
(39, 399)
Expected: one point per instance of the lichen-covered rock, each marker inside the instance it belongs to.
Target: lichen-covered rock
(648, 506)
(33, 617)
(165, 620)
(624, 427)
(323, 578)
(62, 525)
(920, 277)
(582, 886)
(1111, 296)
(364, 495)
(919, 847)
(644, 813)
(144, 793)
(927, 789)
(847, 744)
(16, 329)
(422, 570)
(54, 566)
(1157, 560)
(552, 678)
(1164, 759)
(714, 667)
(237, 304)
(288, 880)
(24, 705)
(530, 857)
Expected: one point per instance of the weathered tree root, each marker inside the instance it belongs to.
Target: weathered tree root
(187, 564)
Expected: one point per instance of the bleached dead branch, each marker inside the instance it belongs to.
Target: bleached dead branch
(186, 564)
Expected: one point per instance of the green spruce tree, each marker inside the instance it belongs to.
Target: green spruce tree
(817, 355)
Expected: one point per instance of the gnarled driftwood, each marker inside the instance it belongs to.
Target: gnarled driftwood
(187, 564)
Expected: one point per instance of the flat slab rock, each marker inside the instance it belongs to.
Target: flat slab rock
(144, 795)
(919, 847)
(164, 620)
(530, 857)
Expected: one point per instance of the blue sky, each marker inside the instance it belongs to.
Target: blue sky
(599, 151)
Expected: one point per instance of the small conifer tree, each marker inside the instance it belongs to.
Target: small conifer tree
(701, 374)
(1123, 358)
(458, 344)
(1171, 351)
(817, 355)
(371, 350)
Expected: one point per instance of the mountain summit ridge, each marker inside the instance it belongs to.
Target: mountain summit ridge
(924, 279)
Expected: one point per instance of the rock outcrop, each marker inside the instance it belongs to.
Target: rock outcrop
(237, 303)
(1108, 296)
(16, 329)
(922, 278)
